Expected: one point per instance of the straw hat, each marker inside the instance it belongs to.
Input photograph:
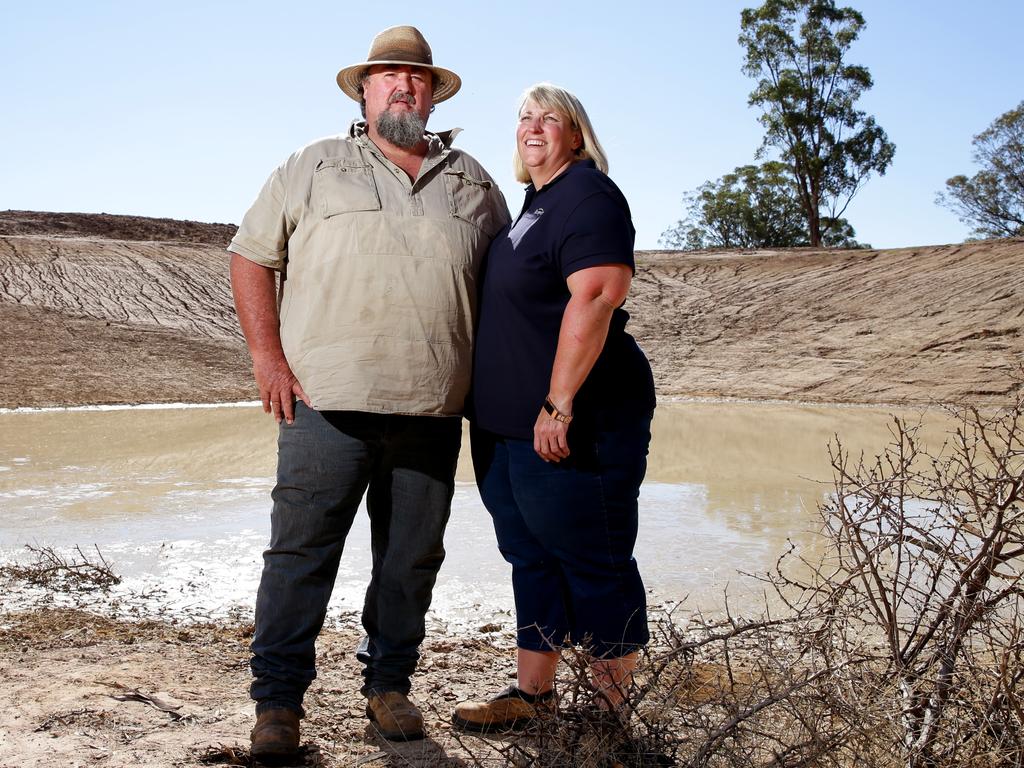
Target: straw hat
(400, 45)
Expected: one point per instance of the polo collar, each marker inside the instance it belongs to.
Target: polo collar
(588, 163)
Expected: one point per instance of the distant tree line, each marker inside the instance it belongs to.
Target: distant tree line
(755, 206)
(826, 149)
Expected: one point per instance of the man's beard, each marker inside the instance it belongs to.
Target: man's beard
(403, 130)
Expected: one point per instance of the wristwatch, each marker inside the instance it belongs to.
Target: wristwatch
(556, 414)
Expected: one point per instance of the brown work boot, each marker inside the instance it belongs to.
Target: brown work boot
(510, 709)
(275, 738)
(396, 718)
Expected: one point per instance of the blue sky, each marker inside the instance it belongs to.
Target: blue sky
(182, 109)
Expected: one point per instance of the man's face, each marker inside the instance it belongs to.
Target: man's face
(398, 98)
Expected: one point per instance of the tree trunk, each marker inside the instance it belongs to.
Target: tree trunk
(814, 215)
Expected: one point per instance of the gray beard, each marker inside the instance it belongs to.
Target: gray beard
(404, 130)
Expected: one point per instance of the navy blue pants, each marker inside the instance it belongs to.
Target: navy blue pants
(568, 530)
(406, 467)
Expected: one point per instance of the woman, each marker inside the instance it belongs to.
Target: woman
(561, 408)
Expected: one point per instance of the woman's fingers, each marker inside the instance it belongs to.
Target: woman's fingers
(550, 438)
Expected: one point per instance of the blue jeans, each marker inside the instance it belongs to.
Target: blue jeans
(326, 462)
(568, 530)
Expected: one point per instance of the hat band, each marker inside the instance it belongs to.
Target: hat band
(402, 55)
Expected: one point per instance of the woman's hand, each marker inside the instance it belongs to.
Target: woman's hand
(550, 437)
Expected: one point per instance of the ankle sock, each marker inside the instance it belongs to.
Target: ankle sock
(533, 698)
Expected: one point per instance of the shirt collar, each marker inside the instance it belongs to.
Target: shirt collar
(436, 142)
(585, 163)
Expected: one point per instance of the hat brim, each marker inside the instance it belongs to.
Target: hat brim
(446, 82)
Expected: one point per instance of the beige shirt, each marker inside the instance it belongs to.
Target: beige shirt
(379, 297)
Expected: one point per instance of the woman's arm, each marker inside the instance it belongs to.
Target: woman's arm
(596, 293)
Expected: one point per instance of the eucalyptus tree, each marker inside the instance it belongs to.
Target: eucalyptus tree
(992, 200)
(755, 206)
(797, 50)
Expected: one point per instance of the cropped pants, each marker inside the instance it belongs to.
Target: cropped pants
(568, 530)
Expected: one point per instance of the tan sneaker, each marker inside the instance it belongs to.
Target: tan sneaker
(510, 709)
(275, 738)
(396, 718)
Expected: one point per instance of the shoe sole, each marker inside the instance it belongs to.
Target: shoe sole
(272, 757)
(505, 726)
(400, 736)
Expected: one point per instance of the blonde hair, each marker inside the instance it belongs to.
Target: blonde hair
(548, 96)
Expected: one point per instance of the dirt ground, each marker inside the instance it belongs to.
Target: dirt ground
(127, 311)
(83, 690)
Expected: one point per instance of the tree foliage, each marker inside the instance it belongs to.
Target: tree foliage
(992, 200)
(755, 206)
(796, 50)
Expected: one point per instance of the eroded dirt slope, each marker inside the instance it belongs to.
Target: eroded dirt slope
(113, 227)
(894, 326)
(91, 320)
(98, 319)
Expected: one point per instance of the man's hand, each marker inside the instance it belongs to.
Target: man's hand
(255, 290)
(278, 388)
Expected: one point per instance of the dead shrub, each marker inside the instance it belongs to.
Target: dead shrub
(75, 573)
(899, 640)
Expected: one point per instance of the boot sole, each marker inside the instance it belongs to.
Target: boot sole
(504, 726)
(274, 757)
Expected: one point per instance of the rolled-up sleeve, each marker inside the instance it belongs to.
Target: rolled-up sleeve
(263, 234)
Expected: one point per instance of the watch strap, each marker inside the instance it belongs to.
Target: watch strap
(556, 414)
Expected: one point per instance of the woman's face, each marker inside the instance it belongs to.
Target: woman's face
(545, 140)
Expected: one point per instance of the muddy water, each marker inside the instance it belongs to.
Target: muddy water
(177, 499)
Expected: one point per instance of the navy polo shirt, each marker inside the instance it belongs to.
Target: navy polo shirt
(580, 219)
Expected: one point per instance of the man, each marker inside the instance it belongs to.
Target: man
(377, 237)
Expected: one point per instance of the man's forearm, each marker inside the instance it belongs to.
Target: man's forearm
(255, 292)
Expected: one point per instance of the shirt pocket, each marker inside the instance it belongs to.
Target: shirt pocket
(472, 200)
(344, 186)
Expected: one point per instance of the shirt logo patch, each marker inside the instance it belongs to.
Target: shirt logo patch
(523, 225)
